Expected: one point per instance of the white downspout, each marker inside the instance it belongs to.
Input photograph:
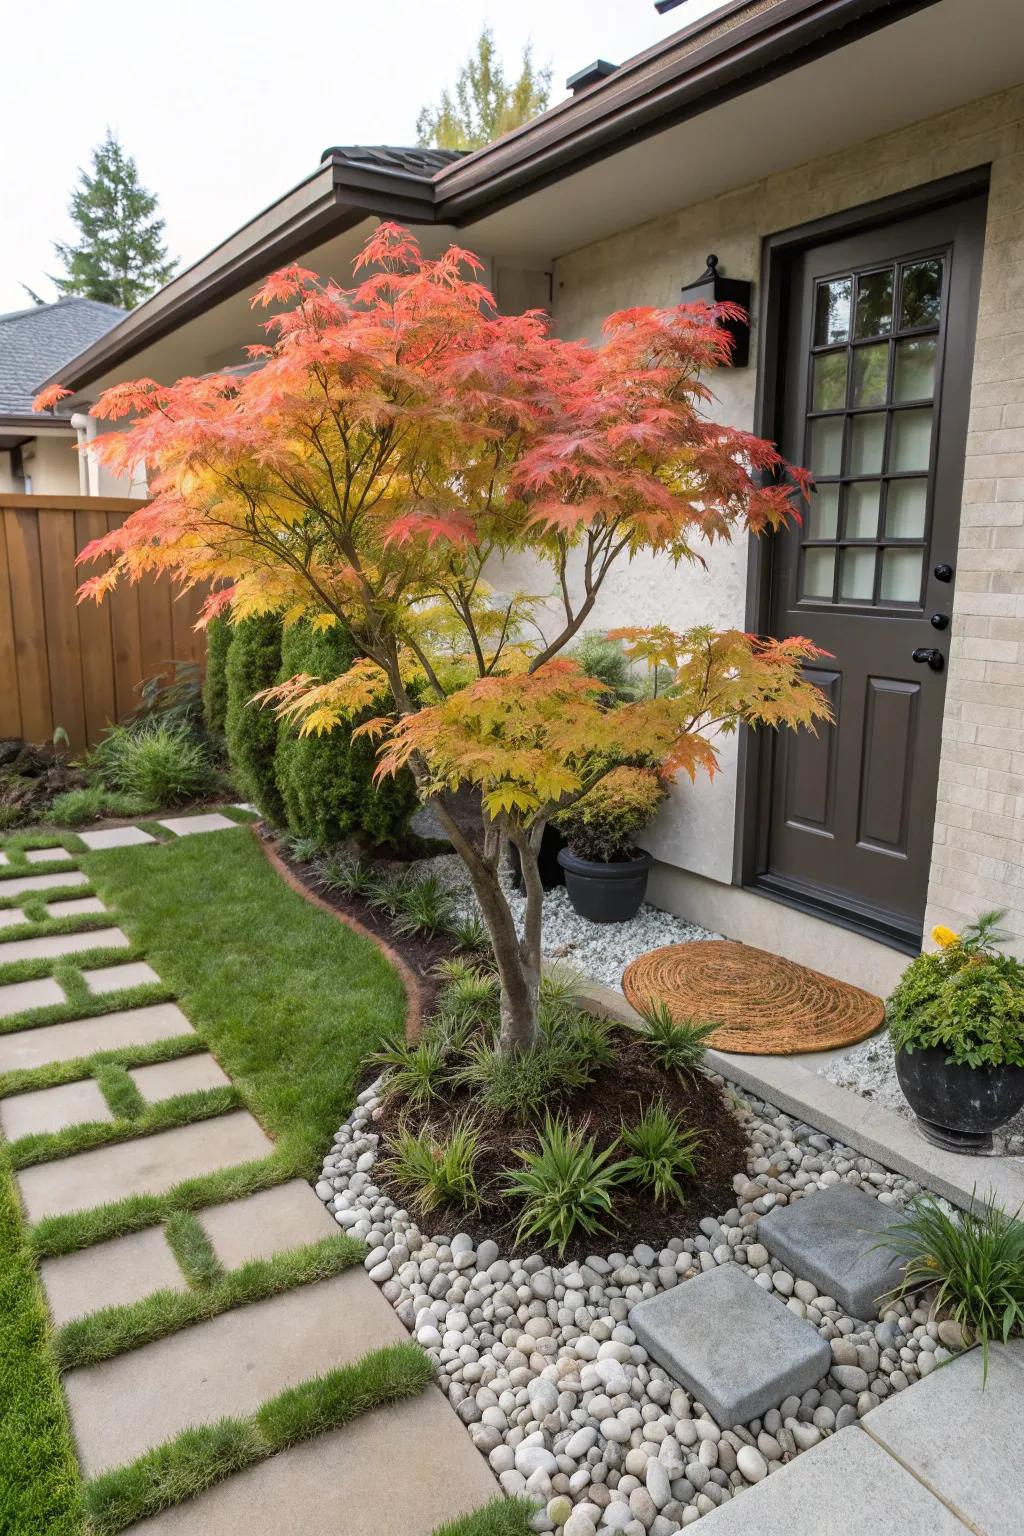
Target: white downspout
(85, 429)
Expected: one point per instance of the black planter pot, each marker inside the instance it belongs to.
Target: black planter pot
(551, 873)
(958, 1107)
(606, 893)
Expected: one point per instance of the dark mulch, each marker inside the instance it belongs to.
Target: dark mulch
(631, 1082)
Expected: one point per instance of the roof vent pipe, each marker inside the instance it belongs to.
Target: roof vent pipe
(599, 70)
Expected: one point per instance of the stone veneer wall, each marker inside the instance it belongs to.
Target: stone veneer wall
(979, 839)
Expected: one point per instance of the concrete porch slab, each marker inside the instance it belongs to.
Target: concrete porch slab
(189, 1074)
(271, 1222)
(737, 1349)
(116, 837)
(23, 885)
(81, 1037)
(146, 1166)
(114, 978)
(330, 1486)
(10, 917)
(211, 821)
(228, 1365)
(50, 946)
(51, 1109)
(110, 1275)
(18, 996)
(75, 906)
(830, 1238)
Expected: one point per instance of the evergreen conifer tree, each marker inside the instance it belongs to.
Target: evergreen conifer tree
(120, 257)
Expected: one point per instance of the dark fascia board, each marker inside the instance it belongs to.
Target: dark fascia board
(35, 423)
(677, 79)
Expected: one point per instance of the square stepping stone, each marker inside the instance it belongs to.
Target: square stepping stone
(110, 1274)
(436, 1477)
(23, 885)
(116, 837)
(830, 1238)
(148, 1165)
(189, 1074)
(49, 946)
(75, 906)
(737, 1349)
(18, 996)
(107, 1032)
(962, 1439)
(845, 1486)
(51, 1109)
(114, 978)
(271, 1222)
(228, 1365)
(10, 917)
(212, 821)
(47, 855)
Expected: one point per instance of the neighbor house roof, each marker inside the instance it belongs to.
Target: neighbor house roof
(35, 342)
(389, 157)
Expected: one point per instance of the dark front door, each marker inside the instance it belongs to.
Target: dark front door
(879, 339)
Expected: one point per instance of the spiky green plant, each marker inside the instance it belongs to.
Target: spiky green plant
(468, 1004)
(422, 907)
(353, 877)
(436, 1170)
(523, 1083)
(677, 1045)
(415, 1072)
(469, 931)
(565, 1185)
(661, 1151)
(303, 849)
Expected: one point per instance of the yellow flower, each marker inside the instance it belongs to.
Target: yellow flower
(944, 937)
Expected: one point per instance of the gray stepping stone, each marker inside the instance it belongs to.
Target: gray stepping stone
(845, 1486)
(268, 1223)
(75, 906)
(107, 1032)
(189, 1074)
(228, 1365)
(737, 1349)
(114, 978)
(116, 837)
(51, 1109)
(212, 821)
(148, 1165)
(830, 1238)
(4, 859)
(18, 996)
(49, 946)
(24, 885)
(962, 1440)
(47, 855)
(436, 1476)
(110, 1274)
(10, 917)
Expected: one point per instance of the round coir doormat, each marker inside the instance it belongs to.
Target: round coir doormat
(764, 1005)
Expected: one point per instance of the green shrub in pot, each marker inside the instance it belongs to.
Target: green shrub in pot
(605, 873)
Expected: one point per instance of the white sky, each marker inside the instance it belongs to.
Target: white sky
(226, 104)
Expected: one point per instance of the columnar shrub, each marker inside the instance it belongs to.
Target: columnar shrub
(215, 683)
(254, 660)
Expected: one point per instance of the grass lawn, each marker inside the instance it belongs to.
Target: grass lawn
(288, 1000)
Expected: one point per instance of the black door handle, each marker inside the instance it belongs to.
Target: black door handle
(929, 654)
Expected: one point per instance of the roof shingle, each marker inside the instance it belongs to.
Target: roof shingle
(35, 342)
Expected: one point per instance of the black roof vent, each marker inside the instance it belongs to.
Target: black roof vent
(590, 76)
(661, 6)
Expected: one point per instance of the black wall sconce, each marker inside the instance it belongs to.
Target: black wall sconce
(712, 288)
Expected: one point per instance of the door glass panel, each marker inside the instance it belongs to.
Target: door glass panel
(905, 507)
(901, 575)
(832, 311)
(862, 509)
(874, 304)
(829, 389)
(911, 443)
(819, 573)
(868, 444)
(823, 514)
(914, 374)
(870, 374)
(921, 293)
(858, 580)
(827, 446)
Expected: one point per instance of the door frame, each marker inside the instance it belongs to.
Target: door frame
(753, 776)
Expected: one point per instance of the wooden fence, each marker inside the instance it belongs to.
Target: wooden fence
(78, 666)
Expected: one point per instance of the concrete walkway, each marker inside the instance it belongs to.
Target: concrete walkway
(404, 1469)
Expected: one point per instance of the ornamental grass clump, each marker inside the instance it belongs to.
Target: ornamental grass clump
(434, 1170)
(565, 1185)
(661, 1152)
(416, 1073)
(966, 1000)
(677, 1045)
(156, 764)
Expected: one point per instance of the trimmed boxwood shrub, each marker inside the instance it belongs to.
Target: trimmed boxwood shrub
(254, 661)
(326, 782)
(215, 683)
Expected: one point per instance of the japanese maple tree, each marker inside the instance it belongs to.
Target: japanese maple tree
(398, 440)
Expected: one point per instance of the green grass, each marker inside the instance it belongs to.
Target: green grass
(501, 1517)
(199, 1458)
(187, 1239)
(54, 1073)
(112, 1331)
(123, 1098)
(167, 1115)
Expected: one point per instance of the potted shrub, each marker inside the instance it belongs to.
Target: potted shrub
(605, 874)
(956, 1020)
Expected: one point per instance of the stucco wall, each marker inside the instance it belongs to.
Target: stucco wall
(53, 465)
(980, 822)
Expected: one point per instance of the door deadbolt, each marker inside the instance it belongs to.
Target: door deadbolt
(929, 655)
(939, 620)
(943, 573)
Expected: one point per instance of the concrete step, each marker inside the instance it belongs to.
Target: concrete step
(80, 1037)
(831, 1238)
(51, 946)
(52, 1109)
(110, 1274)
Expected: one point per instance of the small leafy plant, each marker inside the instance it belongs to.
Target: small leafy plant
(433, 1170)
(603, 823)
(661, 1152)
(976, 1259)
(677, 1045)
(565, 1185)
(416, 1072)
(967, 999)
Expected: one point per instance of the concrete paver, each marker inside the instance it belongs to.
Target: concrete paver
(17, 996)
(51, 1109)
(24, 885)
(212, 821)
(833, 1238)
(4, 859)
(76, 906)
(147, 1165)
(268, 1223)
(116, 837)
(110, 1274)
(10, 917)
(106, 1032)
(228, 1365)
(50, 946)
(327, 1486)
(189, 1074)
(114, 978)
(47, 855)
